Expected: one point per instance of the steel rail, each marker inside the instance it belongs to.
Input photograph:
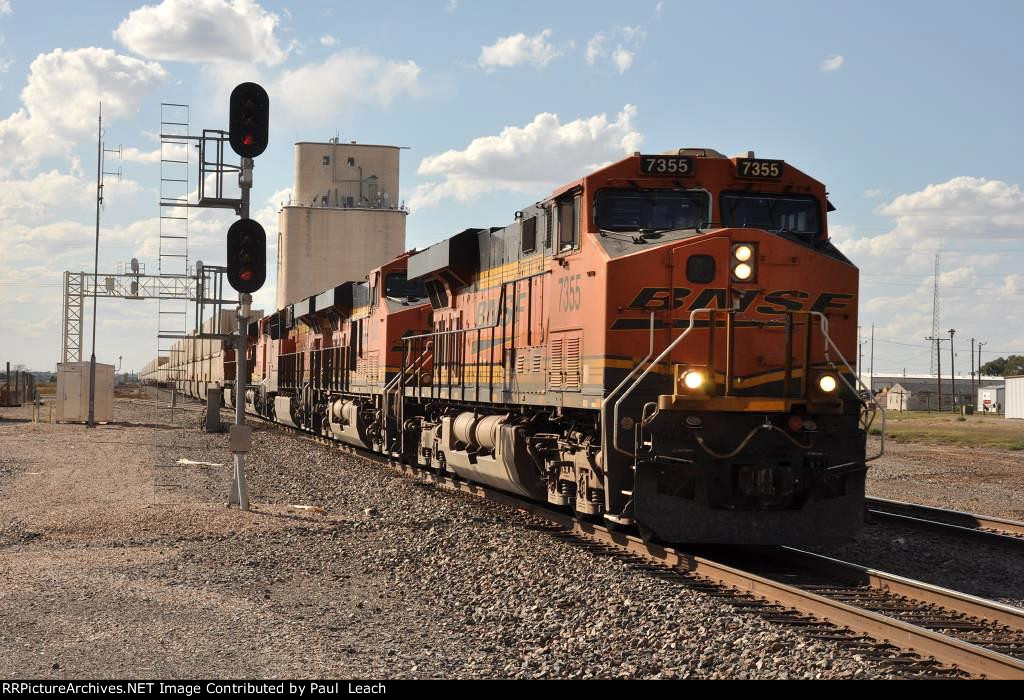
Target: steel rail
(926, 643)
(969, 657)
(965, 603)
(984, 528)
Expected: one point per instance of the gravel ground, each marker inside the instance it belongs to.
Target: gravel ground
(980, 480)
(120, 563)
(983, 570)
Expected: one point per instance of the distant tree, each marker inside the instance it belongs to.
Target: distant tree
(1004, 366)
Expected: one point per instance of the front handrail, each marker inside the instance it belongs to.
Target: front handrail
(636, 382)
(829, 346)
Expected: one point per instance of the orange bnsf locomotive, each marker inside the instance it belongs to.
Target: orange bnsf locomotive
(660, 343)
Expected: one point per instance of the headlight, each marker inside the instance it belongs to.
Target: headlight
(744, 260)
(693, 379)
(827, 383)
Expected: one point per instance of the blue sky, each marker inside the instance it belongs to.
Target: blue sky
(909, 112)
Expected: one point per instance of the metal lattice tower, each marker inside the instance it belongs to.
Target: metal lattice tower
(935, 307)
(172, 313)
(71, 347)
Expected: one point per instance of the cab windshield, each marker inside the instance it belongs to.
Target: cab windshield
(771, 212)
(659, 210)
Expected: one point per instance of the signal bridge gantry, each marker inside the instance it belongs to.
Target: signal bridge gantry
(204, 287)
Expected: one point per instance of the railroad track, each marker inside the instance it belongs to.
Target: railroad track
(916, 629)
(995, 531)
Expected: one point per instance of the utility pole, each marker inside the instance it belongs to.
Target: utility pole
(935, 300)
(859, 353)
(974, 391)
(91, 423)
(979, 361)
(100, 152)
(872, 385)
(952, 370)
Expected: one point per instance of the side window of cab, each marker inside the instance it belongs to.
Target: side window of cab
(375, 289)
(568, 218)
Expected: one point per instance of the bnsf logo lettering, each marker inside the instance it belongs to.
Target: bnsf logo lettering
(763, 302)
(487, 309)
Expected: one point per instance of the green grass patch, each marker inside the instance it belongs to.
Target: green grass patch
(954, 430)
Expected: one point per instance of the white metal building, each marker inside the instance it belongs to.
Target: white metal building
(1015, 397)
(991, 399)
(73, 379)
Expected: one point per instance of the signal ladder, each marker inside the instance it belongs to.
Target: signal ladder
(172, 313)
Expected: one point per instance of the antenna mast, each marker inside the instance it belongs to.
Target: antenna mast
(935, 305)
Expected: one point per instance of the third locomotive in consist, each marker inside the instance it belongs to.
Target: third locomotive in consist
(660, 343)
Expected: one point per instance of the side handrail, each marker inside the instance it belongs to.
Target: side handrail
(647, 370)
(830, 344)
(618, 387)
(391, 385)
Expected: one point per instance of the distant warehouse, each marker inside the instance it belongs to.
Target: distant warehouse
(922, 393)
(1015, 397)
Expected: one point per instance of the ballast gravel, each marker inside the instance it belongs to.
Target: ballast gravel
(119, 561)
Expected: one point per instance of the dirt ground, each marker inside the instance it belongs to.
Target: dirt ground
(91, 526)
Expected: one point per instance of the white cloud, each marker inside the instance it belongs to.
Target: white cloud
(831, 64)
(221, 77)
(595, 48)
(452, 5)
(5, 7)
(328, 40)
(134, 155)
(519, 49)
(628, 39)
(984, 208)
(198, 31)
(317, 91)
(658, 7)
(872, 193)
(634, 33)
(961, 206)
(38, 198)
(541, 154)
(981, 294)
(623, 59)
(61, 98)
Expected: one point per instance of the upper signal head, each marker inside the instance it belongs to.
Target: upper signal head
(248, 121)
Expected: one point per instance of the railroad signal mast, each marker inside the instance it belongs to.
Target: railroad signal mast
(247, 256)
(248, 129)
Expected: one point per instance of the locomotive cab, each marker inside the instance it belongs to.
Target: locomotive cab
(743, 423)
